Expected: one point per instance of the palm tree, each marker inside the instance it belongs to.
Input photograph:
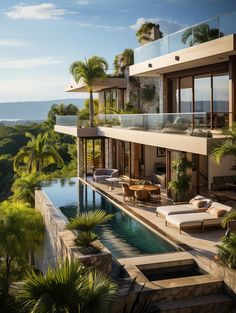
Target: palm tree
(23, 188)
(21, 233)
(94, 67)
(85, 223)
(61, 109)
(200, 34)
(69, 289)
(37, 154)
(227, 147)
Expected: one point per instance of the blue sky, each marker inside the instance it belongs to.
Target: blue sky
(39, 40)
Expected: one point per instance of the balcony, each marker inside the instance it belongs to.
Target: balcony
(211, 29)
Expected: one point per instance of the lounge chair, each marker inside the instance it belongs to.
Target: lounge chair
(213, 217)
(197, 204)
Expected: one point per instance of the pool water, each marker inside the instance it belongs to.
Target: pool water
(123, 235)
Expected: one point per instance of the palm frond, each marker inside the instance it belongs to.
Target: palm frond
(89, 220)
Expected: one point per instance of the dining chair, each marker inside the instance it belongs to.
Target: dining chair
(141, 195)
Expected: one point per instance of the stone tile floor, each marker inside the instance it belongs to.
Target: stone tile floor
(202, 246)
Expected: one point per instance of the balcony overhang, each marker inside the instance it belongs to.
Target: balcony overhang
(98, 85)
(192, 144)
(211, 52)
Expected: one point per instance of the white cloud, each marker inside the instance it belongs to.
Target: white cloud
(83, 2)
(29, 63)
(43, 11)
(166, 26)
(12, 43)
(104, 27)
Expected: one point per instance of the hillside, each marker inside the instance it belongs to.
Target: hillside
(32, 110)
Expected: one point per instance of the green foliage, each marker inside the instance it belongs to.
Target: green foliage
(94, 67)
(37, 154)
(200, 34)
(23, 188)
(70, 289)
(181, 184)
(6, 175)
(121, 62)
(61, 109)
(147, 92)
(231, 216)
(85, 223)
(143, 33)
(227, 250)
(21, 233)
(227, 147)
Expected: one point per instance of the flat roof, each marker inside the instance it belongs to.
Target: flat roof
(98, 85)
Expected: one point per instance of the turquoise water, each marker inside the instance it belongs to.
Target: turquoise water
(124, 236)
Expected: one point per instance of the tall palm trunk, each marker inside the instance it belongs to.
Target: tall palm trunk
(91, 109)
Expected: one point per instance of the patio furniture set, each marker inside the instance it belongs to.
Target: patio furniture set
(200, 212)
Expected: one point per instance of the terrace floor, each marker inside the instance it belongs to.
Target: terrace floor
(202, 246)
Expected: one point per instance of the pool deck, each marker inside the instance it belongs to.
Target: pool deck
(195, 244)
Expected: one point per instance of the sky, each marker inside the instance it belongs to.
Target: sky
(40, 39)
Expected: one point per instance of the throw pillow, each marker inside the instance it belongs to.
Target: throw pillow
(198, 203)
(217, 212)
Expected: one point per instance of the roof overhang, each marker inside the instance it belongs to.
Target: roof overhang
(211, 52)
(98, 85)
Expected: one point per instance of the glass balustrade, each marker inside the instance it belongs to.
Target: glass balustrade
(195, 124)
(213, 28)
(66, 120)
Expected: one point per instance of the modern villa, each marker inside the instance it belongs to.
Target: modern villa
(196, 90)
(184, 86)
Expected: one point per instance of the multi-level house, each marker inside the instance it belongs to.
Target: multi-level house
(194, 75)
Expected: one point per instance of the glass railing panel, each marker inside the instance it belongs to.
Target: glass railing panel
(220, 120)
(228, 24)
(193, 124)
(152, 50)
(206, 31)
(66, 120)
(181, 40)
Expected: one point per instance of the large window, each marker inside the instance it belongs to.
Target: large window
(202, 93)
(186, 94)
(221, 93)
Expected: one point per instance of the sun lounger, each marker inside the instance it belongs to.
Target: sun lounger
(191, 207)
(213, 217)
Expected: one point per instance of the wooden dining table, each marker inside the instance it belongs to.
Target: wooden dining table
(143, 187)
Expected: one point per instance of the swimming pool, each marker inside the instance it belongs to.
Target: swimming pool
(124, 236)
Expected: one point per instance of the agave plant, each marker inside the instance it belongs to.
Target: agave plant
(227, 250)
(85, 223)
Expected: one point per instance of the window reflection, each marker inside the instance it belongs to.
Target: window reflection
(186, 94)
(221, 93)
(202, 93)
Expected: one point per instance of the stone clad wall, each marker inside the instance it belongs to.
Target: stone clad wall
(59, 242)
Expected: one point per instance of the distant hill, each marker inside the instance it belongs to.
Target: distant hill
(32, 110)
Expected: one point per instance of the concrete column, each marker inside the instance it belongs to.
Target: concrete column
(80, 157)
(232, 88)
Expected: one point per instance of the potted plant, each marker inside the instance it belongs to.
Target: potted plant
(181, 184)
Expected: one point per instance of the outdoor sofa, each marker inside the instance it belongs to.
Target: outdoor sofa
(212, 217)
(197, 204)
(101, 174)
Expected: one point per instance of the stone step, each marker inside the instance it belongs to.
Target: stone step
(186, 287)
(217, 303)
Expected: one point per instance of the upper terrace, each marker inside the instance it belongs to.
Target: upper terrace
(220, 28)
(189, 132)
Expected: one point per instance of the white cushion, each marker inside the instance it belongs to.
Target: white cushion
(178, 209)
(190, 219)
